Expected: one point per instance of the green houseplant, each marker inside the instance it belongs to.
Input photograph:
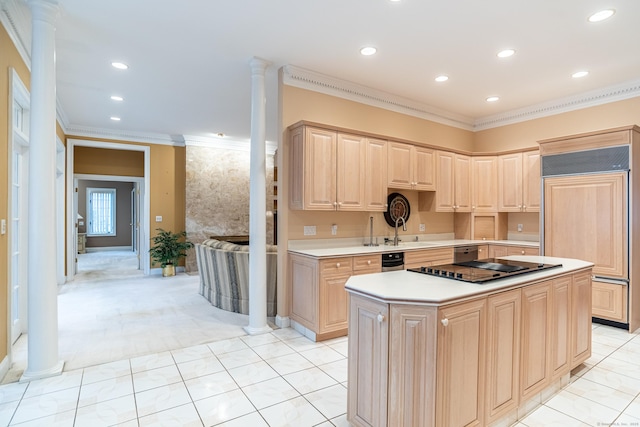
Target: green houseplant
(168, 248)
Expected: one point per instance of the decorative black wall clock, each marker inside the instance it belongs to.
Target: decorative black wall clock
(397, 207)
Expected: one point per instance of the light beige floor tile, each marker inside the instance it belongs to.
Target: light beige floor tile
(63, 419)
(183, 416)
(191, 353)
(47, 404)
(274, 349)
(340, 421)
(93, 393)
(106, 371)
(210, 385)
(64, 381)
(151, 361)
(237, 358)
(614, 380)
(12, 391)
(336, 370)
(256, 340)
(330, 401)
(6, 411)
(289, 363)
(303, 343)
(227, 346)
(108, 413)
(253, 419)
(158, 377)
(223, 407)
(633, 410)
(587, 411)
(295, 412)
(200, 367)
(309, 380)
(285, 334)
(161, 398)
(545, 416)
(601, 394)
(321, 356)
(269, 392)
(253, 373)
(341, 347)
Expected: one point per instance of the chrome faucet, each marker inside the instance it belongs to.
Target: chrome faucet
(404, 228)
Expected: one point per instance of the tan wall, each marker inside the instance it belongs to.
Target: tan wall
(527, 134)
(102, 161)
(9, 58)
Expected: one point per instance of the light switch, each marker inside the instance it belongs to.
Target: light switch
(158, 218)
(3, 226)
(334, 229)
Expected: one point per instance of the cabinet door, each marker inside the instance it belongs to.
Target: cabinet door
(303, 277)
(503, 354)
(497, 251)
(413, 355)
(580, 319)
(484, 184)
(586, 218)
(424, 177)
(610, 301)
(445, 181)
(399, 167)
(510, 182)
(561, 326)
(535, 336)
(350, 167)
(462, 183)
(375, 189)
(531, 183)
(483, 251)
(461, 365)
(334, 303)
(368, 362)
(319, 169)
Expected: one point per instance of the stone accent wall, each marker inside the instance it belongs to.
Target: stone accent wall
(217, 195)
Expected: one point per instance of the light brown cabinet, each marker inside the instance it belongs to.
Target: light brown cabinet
(610, 301)
(427, 257)
(335, 171)
(497, 251)
(319, 301)
(484, 181)
(519, 182)
(411, 167)
(465, 363)
(453, 182)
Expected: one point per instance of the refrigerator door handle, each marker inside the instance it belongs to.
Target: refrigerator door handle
(611, 280)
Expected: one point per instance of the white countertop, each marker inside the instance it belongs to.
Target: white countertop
(323, 250)
(409, 287)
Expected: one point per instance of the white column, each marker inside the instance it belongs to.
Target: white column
(258, 204)
(42, 296)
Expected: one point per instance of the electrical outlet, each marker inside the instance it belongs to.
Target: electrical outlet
(422, 227)
(519, 227)
(3, 226)
(334, 229)
(158, 218)
(309, 230)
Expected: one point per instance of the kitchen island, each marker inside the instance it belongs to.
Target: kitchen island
(431, 351)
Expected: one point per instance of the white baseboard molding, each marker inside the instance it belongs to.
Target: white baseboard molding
(4, 367)
(282, 322)
(110, 248)
(303, 330)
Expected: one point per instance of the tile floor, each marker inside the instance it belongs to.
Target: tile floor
(283, 379)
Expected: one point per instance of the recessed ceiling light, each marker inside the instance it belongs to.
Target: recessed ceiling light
(602, 15)
(579, 74)
(115, 119)
(506, 53)
(116, 98)
(492, 99)
(120, 65)
(368, 50)
(442, 78)
(220, 135)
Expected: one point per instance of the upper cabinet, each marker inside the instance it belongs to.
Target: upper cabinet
(519, 182)
(453, 192)
(410, 167)
(327, 170)
(375, 188)
(484, 179)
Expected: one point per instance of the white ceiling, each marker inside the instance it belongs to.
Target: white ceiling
(189, 60)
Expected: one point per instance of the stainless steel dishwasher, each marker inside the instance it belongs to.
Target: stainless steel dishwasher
(465, 253)
(393, 261)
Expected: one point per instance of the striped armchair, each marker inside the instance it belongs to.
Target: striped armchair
(224, 275)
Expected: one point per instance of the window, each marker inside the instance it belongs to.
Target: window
(101, 211)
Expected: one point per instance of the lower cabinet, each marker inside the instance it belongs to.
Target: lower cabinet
(464, 364)
(497, 251)
(319, 301)
(610, 301)
(427, 257)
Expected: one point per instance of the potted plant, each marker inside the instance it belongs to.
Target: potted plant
(167, 249)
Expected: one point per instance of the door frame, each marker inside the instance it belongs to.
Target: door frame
(72, 210)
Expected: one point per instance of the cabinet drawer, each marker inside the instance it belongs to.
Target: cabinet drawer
(609, 301)
(336, 266)
(429, 256)
(367, 264)
(522, 250)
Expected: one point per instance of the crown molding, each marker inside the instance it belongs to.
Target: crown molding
(225, 144)
(130, 136)
(16, 19)
(562, 105)
(311, 80)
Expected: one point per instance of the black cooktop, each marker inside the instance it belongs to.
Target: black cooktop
(482, 270)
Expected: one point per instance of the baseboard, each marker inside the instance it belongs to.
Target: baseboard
(110, 248)
(282, 322)
(303, 330)
(4, 367)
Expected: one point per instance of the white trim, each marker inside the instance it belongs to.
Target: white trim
(16, 19)
(115, 178)
(5, 364)
(282, 322)
(109, 248)
(127, 136)
(145, 218)
(225, 143)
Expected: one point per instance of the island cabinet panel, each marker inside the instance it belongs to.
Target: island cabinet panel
(413, 352)
(581, 319)
(369, 345)
(461, 364)
(427, 257)
(561, 326)
(536, 339)
(503, 354)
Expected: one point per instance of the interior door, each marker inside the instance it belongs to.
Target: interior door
(135, 221)
(19, 238)
(585, 217)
